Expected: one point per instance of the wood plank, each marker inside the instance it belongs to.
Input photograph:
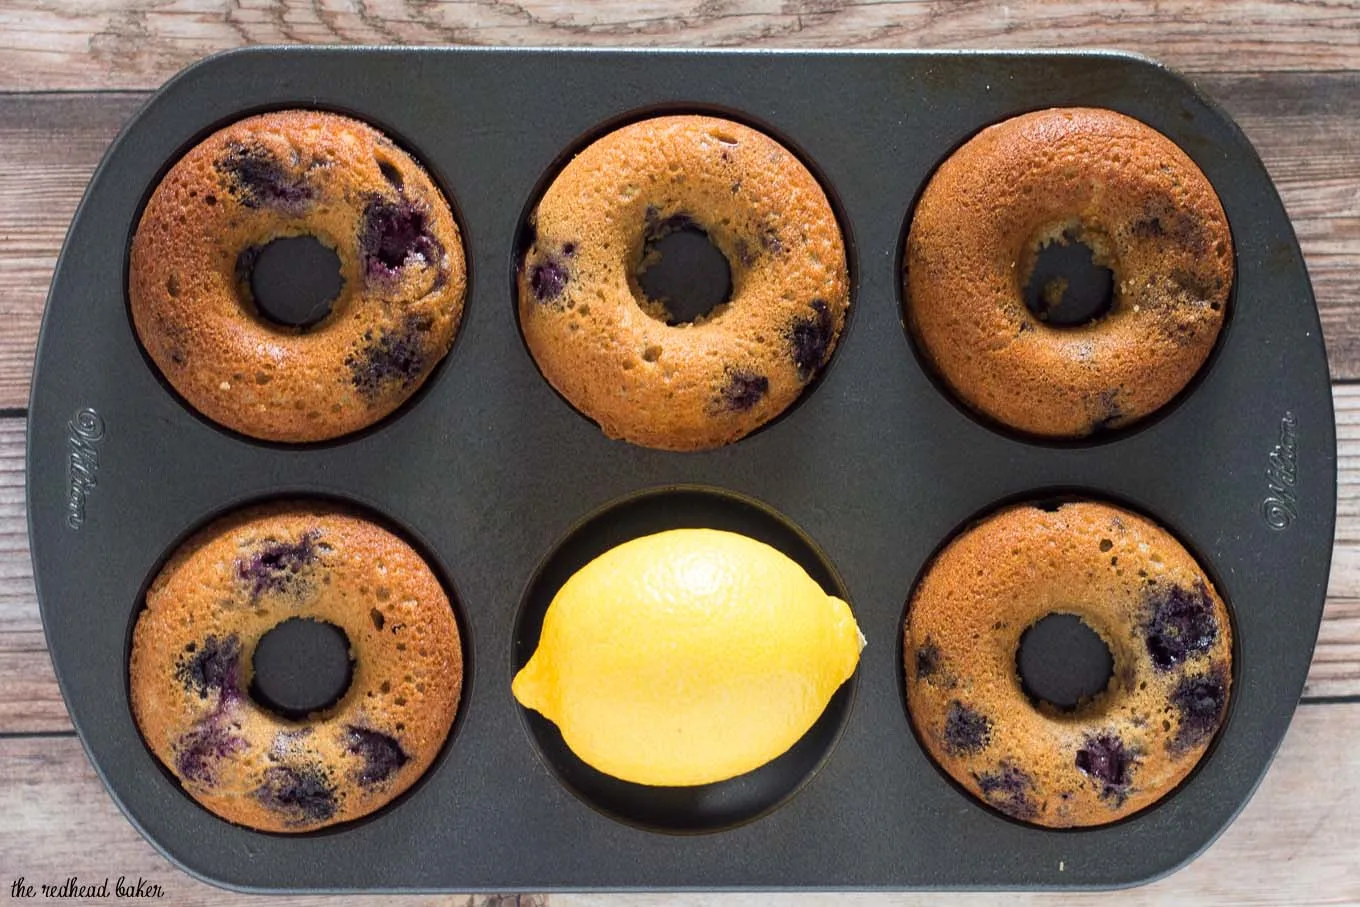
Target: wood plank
(49, 146)
(65, 44)
(56, 809)
(1293, 844)
(29, 698)
(31, 702)
(1306, 127)
(1346, 403)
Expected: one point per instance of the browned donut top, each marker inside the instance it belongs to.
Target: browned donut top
(191, 667)
(290, 174)
(609, 350)
(1098, 177)
(1153, 606)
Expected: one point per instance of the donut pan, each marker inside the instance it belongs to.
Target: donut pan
(489, 471)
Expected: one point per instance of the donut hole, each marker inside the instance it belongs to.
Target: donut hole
(1069, 283)
(1063, 662)
(683, 275)
(302, 666)
(293, 281)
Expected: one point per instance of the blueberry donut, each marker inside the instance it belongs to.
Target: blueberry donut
(1058, 176)
(615, 354)
(280, 175)
(1114, 753)
(192, 669)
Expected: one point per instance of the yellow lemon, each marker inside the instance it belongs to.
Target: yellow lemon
(688, 657)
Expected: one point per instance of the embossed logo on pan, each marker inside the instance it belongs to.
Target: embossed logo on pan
(83, 434)
(1281, 506)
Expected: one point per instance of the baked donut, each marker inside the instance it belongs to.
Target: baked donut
(192, 667)
(1114, 753)
(611, 351)
(1093, 176)
(278, 175)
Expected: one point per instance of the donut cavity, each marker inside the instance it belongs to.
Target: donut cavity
(295, 666)
(1069, 282)
(1066, 662)
(301, 666)
(681, 280)
(1063, 662)
(292, 280)
(1023, 326)
(682, 273)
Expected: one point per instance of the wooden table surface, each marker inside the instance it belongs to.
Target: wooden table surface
(71, 73)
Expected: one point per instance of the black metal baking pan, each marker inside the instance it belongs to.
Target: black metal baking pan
(489, 471)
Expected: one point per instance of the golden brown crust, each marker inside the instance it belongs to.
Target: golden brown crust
(191, 667)
(687, 386)
(1140, 590)
(1149, 215)
(287, 174)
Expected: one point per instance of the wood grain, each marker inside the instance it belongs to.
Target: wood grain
(31, 702)
(1296, 836)
(29, 698)
(66, 44)
(1306, 127)
(49, 146)
(1287, 70)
